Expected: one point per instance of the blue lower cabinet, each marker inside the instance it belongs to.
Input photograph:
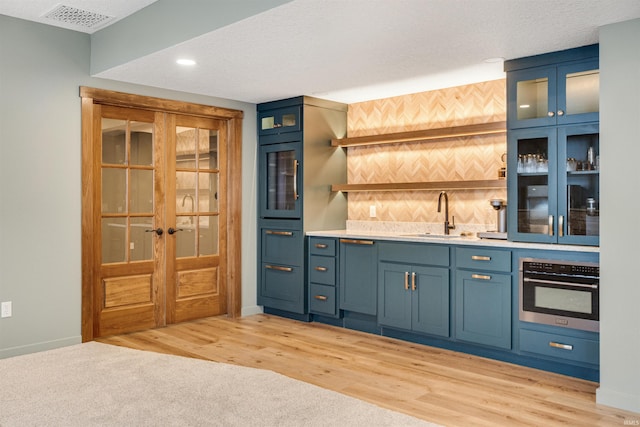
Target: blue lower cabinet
(281, 287)
(322, 277)
(560, 346)
(358, 279)
(322, 299)
(414, 298)
(483, 308)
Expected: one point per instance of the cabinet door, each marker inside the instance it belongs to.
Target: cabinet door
(280, 182)
(578, 93)
(395, 294)
(532, 186)
(483, 308)
(531, 97)
(282, 287)
(579, 190)
(430, 304)
(358, 276)
(278, 121)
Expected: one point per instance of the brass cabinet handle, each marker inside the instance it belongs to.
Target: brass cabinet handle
(278, 268)
(561, 346)
(357, 242)
(279, 233)
(295, 180)
(561, 225)
(550, 225)
(480, 276)
(480, 258)
(321, 268)
(321, 245)
(320, 297)
(406, 280)
(413, 280)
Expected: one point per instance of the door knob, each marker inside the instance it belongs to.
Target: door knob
(158, 231)
(172, 230)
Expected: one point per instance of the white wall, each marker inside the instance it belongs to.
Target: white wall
(41, 69)
(620, 209)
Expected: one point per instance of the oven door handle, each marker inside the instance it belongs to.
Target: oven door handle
(554, 282)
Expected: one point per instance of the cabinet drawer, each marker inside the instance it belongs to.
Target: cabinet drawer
(322, 269)
(322, 299)
(282, 287)
(483, 259)
(560, 346)
(418, 253)
(282, 246)
(321, 246)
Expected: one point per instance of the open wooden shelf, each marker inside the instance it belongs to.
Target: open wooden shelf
(486, 184)
(423, 135)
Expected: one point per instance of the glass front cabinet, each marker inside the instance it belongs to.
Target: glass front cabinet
(553, 147)
(554, 189)
(555, 95)
(280, 172)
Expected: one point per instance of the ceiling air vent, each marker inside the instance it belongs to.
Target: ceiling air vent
(78, 17)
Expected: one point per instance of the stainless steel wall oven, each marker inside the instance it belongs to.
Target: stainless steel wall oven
(560, 293)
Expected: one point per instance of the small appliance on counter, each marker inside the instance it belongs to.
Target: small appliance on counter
(501, 221)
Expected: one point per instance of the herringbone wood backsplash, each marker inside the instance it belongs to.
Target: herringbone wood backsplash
(453, 159)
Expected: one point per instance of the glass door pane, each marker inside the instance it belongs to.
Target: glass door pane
(197, 178)
(532, 98)
(281, 180)
(583, 92)
(127, 190)
(533, 185)
(582, 183)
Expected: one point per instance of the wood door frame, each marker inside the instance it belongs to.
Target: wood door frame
(232, 277)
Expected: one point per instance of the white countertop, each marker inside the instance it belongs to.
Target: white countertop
(453, 240)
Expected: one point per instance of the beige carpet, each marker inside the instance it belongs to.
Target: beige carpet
(97, 384)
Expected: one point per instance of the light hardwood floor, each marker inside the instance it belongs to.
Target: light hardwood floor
(436, 385)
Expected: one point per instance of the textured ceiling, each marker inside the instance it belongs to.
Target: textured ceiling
(358, 50)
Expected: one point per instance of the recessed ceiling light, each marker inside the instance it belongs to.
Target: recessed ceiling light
(184, 61)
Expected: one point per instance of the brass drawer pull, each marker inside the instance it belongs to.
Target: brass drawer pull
(480, 276)
(321, 245)
(278, 268)
(560, 346)
(413, 280)
(406, 280)
(320, 297)
(321, 268)
(357, 242)
(280, 233)
(480, 258)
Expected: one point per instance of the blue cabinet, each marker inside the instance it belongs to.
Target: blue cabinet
(413, 287)
(323, 276)
(294, 144)
(358, 279)
(483, 289)
(553, 89)
(414, 298)
(553, 147)
(557, 202)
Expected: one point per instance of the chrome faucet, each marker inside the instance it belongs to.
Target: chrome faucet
(447, 227)
(190, 197)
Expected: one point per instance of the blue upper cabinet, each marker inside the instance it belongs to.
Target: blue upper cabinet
(280, 120)
(280, 172)
(553, 147)
(553, 89)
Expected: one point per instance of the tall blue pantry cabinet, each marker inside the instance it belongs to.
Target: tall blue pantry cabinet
(296, 167)
(553, 147)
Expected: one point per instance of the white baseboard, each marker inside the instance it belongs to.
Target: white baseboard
(249, 311)
(37, 347)
(616, 399)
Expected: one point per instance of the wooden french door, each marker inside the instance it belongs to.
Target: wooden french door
(195, 209)
(156, 225)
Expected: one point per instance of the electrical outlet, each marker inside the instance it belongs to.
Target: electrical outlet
(372, 211)
(5, 310)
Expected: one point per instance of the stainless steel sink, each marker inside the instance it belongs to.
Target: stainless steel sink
(432, 236)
